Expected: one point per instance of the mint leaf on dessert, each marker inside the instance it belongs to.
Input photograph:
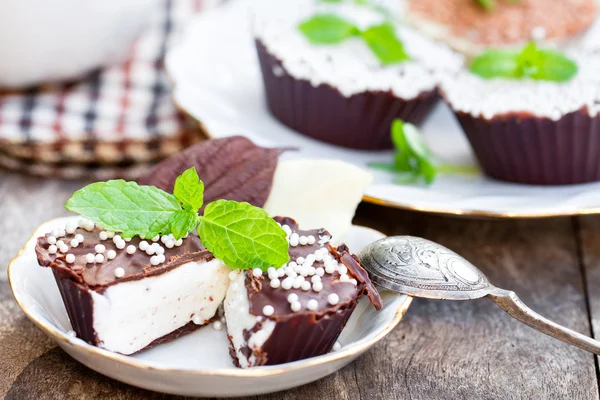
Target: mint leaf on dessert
(243, 236)
(487, 5)
(327, 29)
(183, 222)
(414, 161)
(125, 207)
(531, 62)
(189, 189)
(384, 43)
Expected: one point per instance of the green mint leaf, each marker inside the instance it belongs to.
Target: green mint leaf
(125, 207)
(189, 189)
(327, 29)
(243, 236)
(183, 222)
(487, 5)
(385, 44)
(553, 66)
(496, 64)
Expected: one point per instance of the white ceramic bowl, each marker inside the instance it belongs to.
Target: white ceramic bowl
(42, 40)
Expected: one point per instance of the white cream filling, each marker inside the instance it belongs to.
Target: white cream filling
(318, 193)
(238, 317)
(130, 315)
(350, 66)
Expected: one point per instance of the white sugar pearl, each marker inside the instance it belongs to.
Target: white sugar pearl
(127, 240)
(310, 239)
(74, 243)
(178, 242)
(72, 334)
(119, 272)
(79, 237)
(197, 320)
(60, 244)
(89, 258)
(275, 283)
(111, 254)
(337, 346)
(150, 250)
(268, 310)
(63, 248)
(51, 240)
(257, 272)
(117, 238)
(169, 244)
(315, 278)
(298, 282)
(82, 222)
(281, 272)
(292, 297)
(300, 260)
(70, 228)
(161, 258)
(342, 269)
(287, 283)
(233, 275)
(70, 258)
(317, 286)
(159, 250)
(312, 304)
(318, 256)
(305, 286)
(303, 240)
(292, 264)
(121, 245)
(103, 235)
(99, 258)
(130, 249)
(294, 239)
(100, 248)
(320, 271)
(143, 245)
(329, 268)
(52, 249)
(217, 325)
(344, 278)
(310, 259)
(354, 282)
(296, 306)
(286, 228)
(156, 238)
(89, 227)
(110, 234)
(154, 260)
(333, 299)
(312, 271)
(271, 270)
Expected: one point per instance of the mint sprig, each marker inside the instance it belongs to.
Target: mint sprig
(414, 161)
(239, 234)
(490, 5)
(329, 29)
(531, 62)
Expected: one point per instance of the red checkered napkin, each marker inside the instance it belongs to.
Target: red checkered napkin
(110, 123)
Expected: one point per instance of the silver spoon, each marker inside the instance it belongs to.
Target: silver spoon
(421, 268)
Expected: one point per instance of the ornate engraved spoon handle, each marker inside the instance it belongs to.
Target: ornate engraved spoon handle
(511, 303)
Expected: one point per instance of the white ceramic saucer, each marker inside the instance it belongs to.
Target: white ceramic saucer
(197, 364)
(218, 82)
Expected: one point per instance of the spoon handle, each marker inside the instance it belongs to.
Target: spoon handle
(510, 302)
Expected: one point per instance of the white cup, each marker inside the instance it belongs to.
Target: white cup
(50, 40)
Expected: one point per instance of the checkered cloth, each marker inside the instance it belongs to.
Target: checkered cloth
(113, 122)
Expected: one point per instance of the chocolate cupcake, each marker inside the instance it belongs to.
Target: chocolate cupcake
(470, 26)
(297, 311)
(345, 93)
(532, 131)
(126, 296)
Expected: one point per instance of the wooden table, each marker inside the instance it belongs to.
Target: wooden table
(441, 350)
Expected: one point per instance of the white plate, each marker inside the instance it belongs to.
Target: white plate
(197, 364)
(218, 82)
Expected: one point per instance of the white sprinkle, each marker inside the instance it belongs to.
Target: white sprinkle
(344, 278)
(63, 248)
(286, 228)
(233, 275)
(315, 278)
(310, 259)
(333, 299)
(60, 244)
(103, 235)
(119, 272)
(100, 248)
(317, 286)
(89, 258)
(305, 286)
(82, 222)
(281, 272)
(178, 242)
(161, 258)
(79, 237)
(121, 245)
(324, 239)
(310, 239)
(337, 346)
(275, 283)
(72, 334)
(342, 269)
(159, 250)
(117, 238)
(150, 250)
(312, 271)
(296, 306)
(287, 283)
(111, 254)
(52, 249)
(312, 304)
(170, 244)
(268, 310)
(51, 240)
(217, 325)
(70, 228)
(156, 238)
(318, 256)
(354, 282)
(74, 243)
(89, 227)
(143, 245)
(303, 240)
(154, 260)
(300, 260)
(271, 270)
(294, 239)
(298, 282)
(70, 258)
(130, 249)
(320, 271)
(127, 240)
(292, 298)
(257, 272)
(99, 258)
(110, 234)
(329, 268)
(197, 320)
